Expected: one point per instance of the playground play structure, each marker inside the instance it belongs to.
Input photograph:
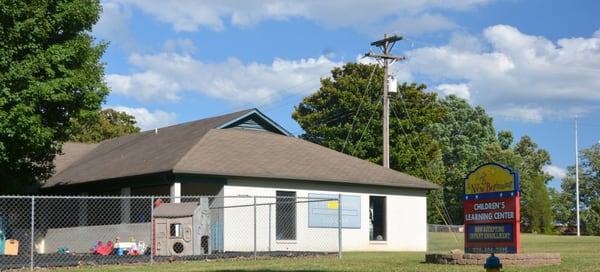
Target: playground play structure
(181, 229)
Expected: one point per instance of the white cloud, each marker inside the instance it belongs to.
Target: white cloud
(518, 76)
(165, 76)
(412, 25)
(215, 15)
(113, 25)
(555, 171)
(145, 86)
(148, 119)
(460, 90)
(522, 113)
(185, 46)
(464, 42)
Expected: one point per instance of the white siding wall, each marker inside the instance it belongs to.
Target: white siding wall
(406, 218)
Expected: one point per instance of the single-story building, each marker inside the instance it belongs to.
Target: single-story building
(246, 153)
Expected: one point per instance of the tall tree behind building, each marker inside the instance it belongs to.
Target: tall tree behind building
(589, 193)
(107, 124)
(50, 73)
(463, 134)
(331, 117)
(528, 160)
(437, 139)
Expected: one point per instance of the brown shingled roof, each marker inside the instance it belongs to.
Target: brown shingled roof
(139, 153)
(236, 152)
(201, 147)
(74, 151)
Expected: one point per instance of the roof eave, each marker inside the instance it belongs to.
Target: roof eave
(428, 186)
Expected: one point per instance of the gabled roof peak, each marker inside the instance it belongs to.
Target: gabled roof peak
(255, 120)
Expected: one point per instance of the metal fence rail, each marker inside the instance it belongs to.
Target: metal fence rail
(445, 228)
(55, 231)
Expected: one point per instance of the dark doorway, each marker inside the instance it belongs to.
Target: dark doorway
(377, 218)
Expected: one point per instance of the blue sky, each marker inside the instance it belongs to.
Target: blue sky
(533, 65)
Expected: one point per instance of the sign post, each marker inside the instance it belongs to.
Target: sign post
(492, 210)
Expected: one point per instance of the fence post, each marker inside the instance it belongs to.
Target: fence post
(32, 249)
(255, 227)
(269, 227)
(152, 244)
(339, 226)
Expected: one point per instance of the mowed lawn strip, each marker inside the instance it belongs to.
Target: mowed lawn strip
(578, 254)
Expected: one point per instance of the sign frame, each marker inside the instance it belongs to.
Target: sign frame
(492, 209)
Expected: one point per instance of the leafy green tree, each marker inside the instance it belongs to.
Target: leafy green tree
(440, 140)
(589, 193)
(107, 124)
(538, 210)
(505, 139)
(536, 202)
(463, 134)
(345, 115)
(329, 116)
(591, 218)
(528, 160)
(562, 211)
(566, 203)
(50, 73)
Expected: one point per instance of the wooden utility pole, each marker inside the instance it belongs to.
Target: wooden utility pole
(386, 45)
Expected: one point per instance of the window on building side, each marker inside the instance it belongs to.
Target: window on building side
(377, 218)
(285, 211)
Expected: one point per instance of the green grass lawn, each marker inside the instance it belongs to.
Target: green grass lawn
(578, 254)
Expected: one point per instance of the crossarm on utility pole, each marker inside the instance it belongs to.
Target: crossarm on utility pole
(386, 40)
(383, 56)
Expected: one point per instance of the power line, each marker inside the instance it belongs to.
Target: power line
(359, 106)
(420, 145)
(387, 43)
(368, 122)
(445, 214)
(329, 120)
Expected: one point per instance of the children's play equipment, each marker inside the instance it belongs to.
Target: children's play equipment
(182, 229)
(11, 247)
(102, 249)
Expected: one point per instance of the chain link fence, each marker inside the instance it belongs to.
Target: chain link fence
(445, 228)
(57, 231)
(445, 238)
